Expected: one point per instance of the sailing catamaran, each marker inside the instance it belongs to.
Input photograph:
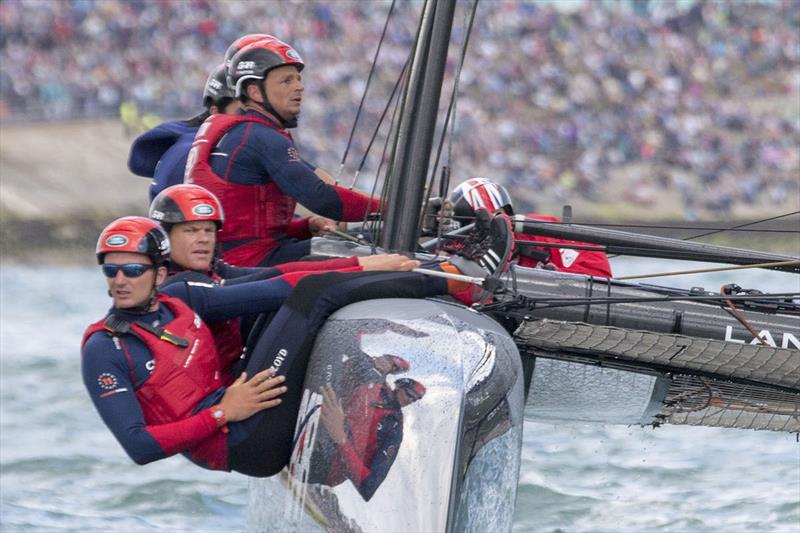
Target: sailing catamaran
(444, 454)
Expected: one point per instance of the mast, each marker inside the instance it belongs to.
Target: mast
(411, 155)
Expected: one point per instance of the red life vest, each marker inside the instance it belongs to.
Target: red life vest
(182, 377)
(256, 216)
(566, 259)
(228, 338)
(362, 414)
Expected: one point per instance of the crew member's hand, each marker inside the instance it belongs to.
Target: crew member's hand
(332, 415)
(244, 398)
(320, 225)
(395, 262)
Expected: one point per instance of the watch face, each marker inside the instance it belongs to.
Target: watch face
(217, 413)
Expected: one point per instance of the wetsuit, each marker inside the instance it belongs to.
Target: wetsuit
(256, 171)
(229, 335)
(587, 262)
(116, 368)
(160, 153)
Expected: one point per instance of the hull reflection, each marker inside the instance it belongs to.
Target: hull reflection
(411, 420)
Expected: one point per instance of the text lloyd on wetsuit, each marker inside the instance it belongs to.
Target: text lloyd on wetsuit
(254, 168)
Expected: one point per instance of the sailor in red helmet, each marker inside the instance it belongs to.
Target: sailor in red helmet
(250, 162)
(483, 193)
(192, 216)
(152, 369)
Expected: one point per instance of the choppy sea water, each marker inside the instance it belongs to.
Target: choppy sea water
(61, 470)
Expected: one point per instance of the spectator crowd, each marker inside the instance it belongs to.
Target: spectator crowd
(701, 99)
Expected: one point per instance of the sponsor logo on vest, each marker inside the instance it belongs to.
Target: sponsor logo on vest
(115, 241)
(191, 353)
(282, 353)
(150, 365)
(203, 210)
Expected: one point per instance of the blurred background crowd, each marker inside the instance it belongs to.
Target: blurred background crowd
(699, 101)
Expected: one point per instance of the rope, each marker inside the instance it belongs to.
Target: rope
(704, 270)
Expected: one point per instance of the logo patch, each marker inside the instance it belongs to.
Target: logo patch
(568, 256)
(203, 210)
(294, 155)
(116, 241)
(107, 381)
(291, 54)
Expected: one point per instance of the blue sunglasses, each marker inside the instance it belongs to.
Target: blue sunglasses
(129, 270)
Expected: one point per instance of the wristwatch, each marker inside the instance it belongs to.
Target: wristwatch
(219, 417)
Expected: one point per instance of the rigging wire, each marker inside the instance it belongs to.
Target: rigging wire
(364, 95)
(376, 227)
(738, 315)
(568, 301)
(449, 120)
(706, 270)
(742, 225)
(380, 123)
(739, 228)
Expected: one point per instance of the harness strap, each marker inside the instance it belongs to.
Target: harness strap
(117, 326)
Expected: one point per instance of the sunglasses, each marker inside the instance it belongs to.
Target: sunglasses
(129, 270)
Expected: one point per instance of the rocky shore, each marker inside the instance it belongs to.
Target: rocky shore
(61, 182)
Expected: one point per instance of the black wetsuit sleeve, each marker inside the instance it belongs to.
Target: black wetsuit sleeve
(215, 304)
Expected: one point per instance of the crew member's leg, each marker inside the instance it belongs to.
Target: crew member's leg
(286, 345)
(288, 250)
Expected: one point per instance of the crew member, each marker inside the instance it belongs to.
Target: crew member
(191, 216)
(482, 193)
(161, 152)
(153, 372)
(250, 162)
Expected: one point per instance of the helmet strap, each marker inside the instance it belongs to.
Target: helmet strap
(286, 123)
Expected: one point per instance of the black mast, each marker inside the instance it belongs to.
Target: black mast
(411, 155)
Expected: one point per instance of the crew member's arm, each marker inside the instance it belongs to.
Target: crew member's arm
(108, 379)
(217, 303)
(279, 160)
(234, 275)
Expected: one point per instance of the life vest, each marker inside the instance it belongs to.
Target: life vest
(367, 409)
(227, 334)
(589, 262)
(256, 216)
(183, 375)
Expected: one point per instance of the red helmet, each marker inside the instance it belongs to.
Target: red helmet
(216, 87)
(137, 235)
(186, 203)
(240, 43)
(479, 193)
(256, 59)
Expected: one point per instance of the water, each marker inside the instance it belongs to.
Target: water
(61, 470)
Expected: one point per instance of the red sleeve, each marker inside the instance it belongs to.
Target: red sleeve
(355, 205)
(180, 436)
(293, 278)
(356, 468)
(298, 228)
(310, 266)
